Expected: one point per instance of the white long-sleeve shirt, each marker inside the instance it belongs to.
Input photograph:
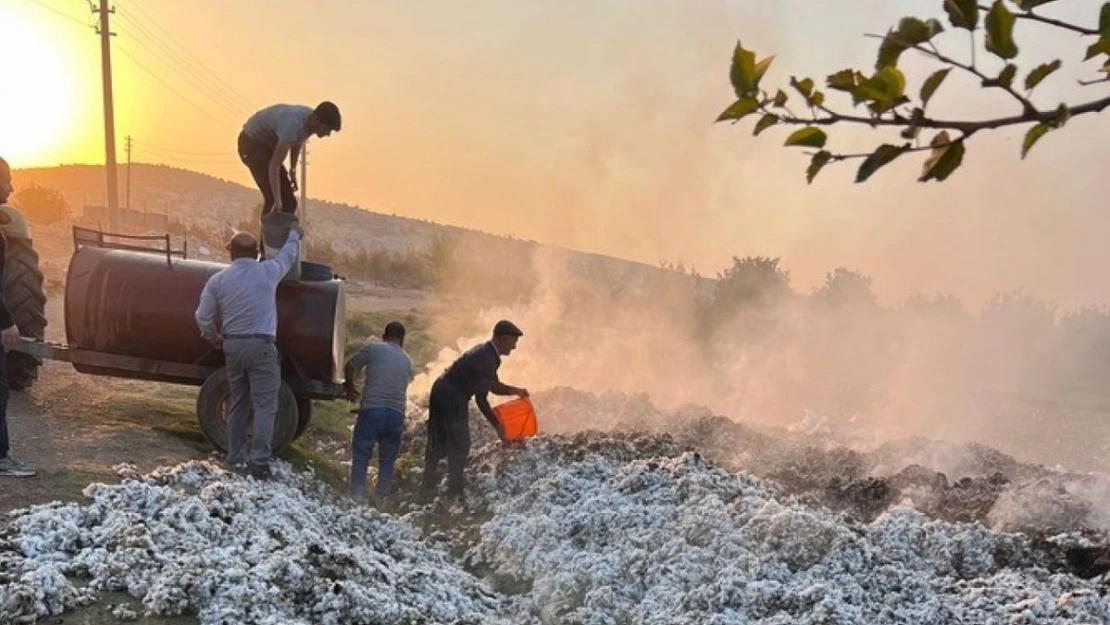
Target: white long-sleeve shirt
(244, 295)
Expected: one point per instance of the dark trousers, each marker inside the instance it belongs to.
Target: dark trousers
(448, 437)
(384, 427)
(256, 157)
(3, 403)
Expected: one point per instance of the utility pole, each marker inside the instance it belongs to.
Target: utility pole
(304, 183)
(109, 117)
(128, 144)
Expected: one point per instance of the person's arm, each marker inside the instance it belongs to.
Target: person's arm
(206, 313)
(350, 370)
(279, 265)
(497, 387)
(274, 174)
(482, 399)
(294, 154)
(9, 334)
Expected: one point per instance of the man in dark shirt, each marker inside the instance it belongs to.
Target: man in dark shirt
(9, 337)
(474, 374)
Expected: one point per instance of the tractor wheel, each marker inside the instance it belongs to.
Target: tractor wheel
(26, 300)
(304, 415)
(212, 402)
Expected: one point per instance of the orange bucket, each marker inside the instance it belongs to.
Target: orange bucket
(517, 419)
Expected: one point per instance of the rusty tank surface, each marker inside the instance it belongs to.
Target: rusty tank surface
(141, 305)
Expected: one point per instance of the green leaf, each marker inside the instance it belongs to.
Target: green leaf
(781, 98)
(885, 88)
(809, 137)
(889, 50)
(817, 99)
(1041, 72)
(882, 155)
(742, 72)
(932, 83)
(962, 13)
(1102, 46)
(1005, 77)
(765, 122)
(739, 109)
(804, 87)
(844, 80)
(1032, 136)
(1000, 31)
(816, 163)
(1104, 21)
(761, 68)
(945, 158)
(916, 32)
(1027, 5)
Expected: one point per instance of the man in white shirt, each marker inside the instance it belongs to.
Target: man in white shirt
(272, 133)
(243, 297)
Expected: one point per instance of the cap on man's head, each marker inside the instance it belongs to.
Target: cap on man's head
(4, 167)
(328, 114)
(243, 244)
(506, 328)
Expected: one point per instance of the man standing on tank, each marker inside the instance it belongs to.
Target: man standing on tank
(243, 297)
(270, 134)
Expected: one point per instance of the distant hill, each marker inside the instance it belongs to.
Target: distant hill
(211, 203)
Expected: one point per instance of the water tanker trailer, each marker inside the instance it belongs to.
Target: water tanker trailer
(129, 305)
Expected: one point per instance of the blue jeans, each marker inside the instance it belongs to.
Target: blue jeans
(383, 426)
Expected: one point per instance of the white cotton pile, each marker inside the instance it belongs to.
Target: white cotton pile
(194, 538)
(609, 535)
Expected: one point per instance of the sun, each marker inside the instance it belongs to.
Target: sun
(37, 91)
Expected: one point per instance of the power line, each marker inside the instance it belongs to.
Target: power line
(166, 84)
(61, 13)
(245, 103)
(227, 153)
(197, 79)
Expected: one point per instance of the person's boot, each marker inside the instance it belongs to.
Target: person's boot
(10, 467)
(261, 472)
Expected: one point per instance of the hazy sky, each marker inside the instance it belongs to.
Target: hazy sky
(583, 123)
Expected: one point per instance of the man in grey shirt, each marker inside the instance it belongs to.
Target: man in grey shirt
(272, 133)
(243, 297)
(381, 416)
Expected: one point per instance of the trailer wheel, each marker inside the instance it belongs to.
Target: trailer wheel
(212, 401)
(304, 415)
(26, 299)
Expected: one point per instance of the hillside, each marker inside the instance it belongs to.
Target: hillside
(199, 200)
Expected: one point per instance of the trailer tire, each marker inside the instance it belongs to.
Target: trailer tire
(304, 415)
(26, 300)
(212, 410)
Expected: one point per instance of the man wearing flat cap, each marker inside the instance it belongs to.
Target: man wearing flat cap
(474, 374)
(241, 299)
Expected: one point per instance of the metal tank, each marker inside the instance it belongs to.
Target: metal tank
(141, 305)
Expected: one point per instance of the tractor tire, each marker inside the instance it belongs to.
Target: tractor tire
(304, 415)
(26, 300)
(212, 401)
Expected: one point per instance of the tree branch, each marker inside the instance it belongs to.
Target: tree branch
(964, 127)
(921, 148)
(1029, 15)
(1026, 104)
